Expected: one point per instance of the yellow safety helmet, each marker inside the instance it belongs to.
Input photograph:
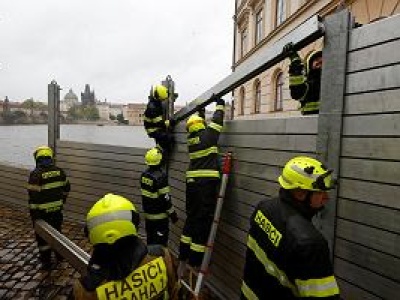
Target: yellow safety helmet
(43, 151)
(111, 218)
(195, 123)
(159, 92)
(306, 173)
(153, 157)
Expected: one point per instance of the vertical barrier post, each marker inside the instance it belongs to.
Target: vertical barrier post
(333, 86)
(54, 115)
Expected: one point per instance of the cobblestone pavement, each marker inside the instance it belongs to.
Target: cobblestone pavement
(20, 274)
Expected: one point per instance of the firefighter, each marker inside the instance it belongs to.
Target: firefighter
(154, 121)
(121, 265)
(48, 190)
(305, 84)
(202, 182)
(156, 200)
(287, 257)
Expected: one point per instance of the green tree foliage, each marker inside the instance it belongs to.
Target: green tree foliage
(88, 113)
(121, 120)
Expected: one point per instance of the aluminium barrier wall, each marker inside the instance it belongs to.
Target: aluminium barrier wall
(357, 132)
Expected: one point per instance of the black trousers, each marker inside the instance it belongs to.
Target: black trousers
(157, 231)
(201, 199)
(54, 219)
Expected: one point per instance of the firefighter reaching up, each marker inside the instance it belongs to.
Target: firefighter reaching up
(287, 257)
(157, 127)
(156, 199)
(121, 265)
(202, 182)
(305, 82)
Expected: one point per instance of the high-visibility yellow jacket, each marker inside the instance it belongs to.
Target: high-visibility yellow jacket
(286, 257)
(153, 278)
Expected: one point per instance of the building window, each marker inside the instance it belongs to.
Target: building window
(259, 26)
(241, 101)
(243, 41)
(280, 12)
(257, 97)
(278, 105)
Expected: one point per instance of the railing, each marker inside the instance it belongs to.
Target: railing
(74, 255)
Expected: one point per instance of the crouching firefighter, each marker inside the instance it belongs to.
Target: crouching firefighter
(156, 200)
(157, 127)
(287, 257)
(202, 183)
(121, 265)
(48, 190)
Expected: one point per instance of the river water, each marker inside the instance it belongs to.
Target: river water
(18, 142)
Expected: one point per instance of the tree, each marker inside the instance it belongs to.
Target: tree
(112, 117)
(121, 120)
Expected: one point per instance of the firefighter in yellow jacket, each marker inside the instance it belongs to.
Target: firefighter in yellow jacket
(121, 265)
(48, 190)
(287, 257)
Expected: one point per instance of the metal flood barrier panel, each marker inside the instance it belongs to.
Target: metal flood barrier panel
(367, 239)
(356, 133)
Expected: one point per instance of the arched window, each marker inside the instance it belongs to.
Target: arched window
(280, 12)
(279, 82)
(241, 101)
(257, 97)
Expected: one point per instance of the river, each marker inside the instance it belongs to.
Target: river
(18, 142)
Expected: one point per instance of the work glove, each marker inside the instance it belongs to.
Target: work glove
(288, 50)
(220, 101)
(174, 217)
(202, 112)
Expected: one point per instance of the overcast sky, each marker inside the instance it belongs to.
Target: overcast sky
(119, 47)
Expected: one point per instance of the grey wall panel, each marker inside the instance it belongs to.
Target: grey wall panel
(374, 33)
(373, 170)
(375, 261)
(350, 291)
(380, 240)
(100, 162)
(91, 148)
(377, 102)
(369, 281)
(378, 56)
(371, 215)
(372, 125)
(285, 125)
(374, 80)
(300, 143)
(370, 192)
(371, 147)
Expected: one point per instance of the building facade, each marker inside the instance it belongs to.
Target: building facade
(260, 23)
